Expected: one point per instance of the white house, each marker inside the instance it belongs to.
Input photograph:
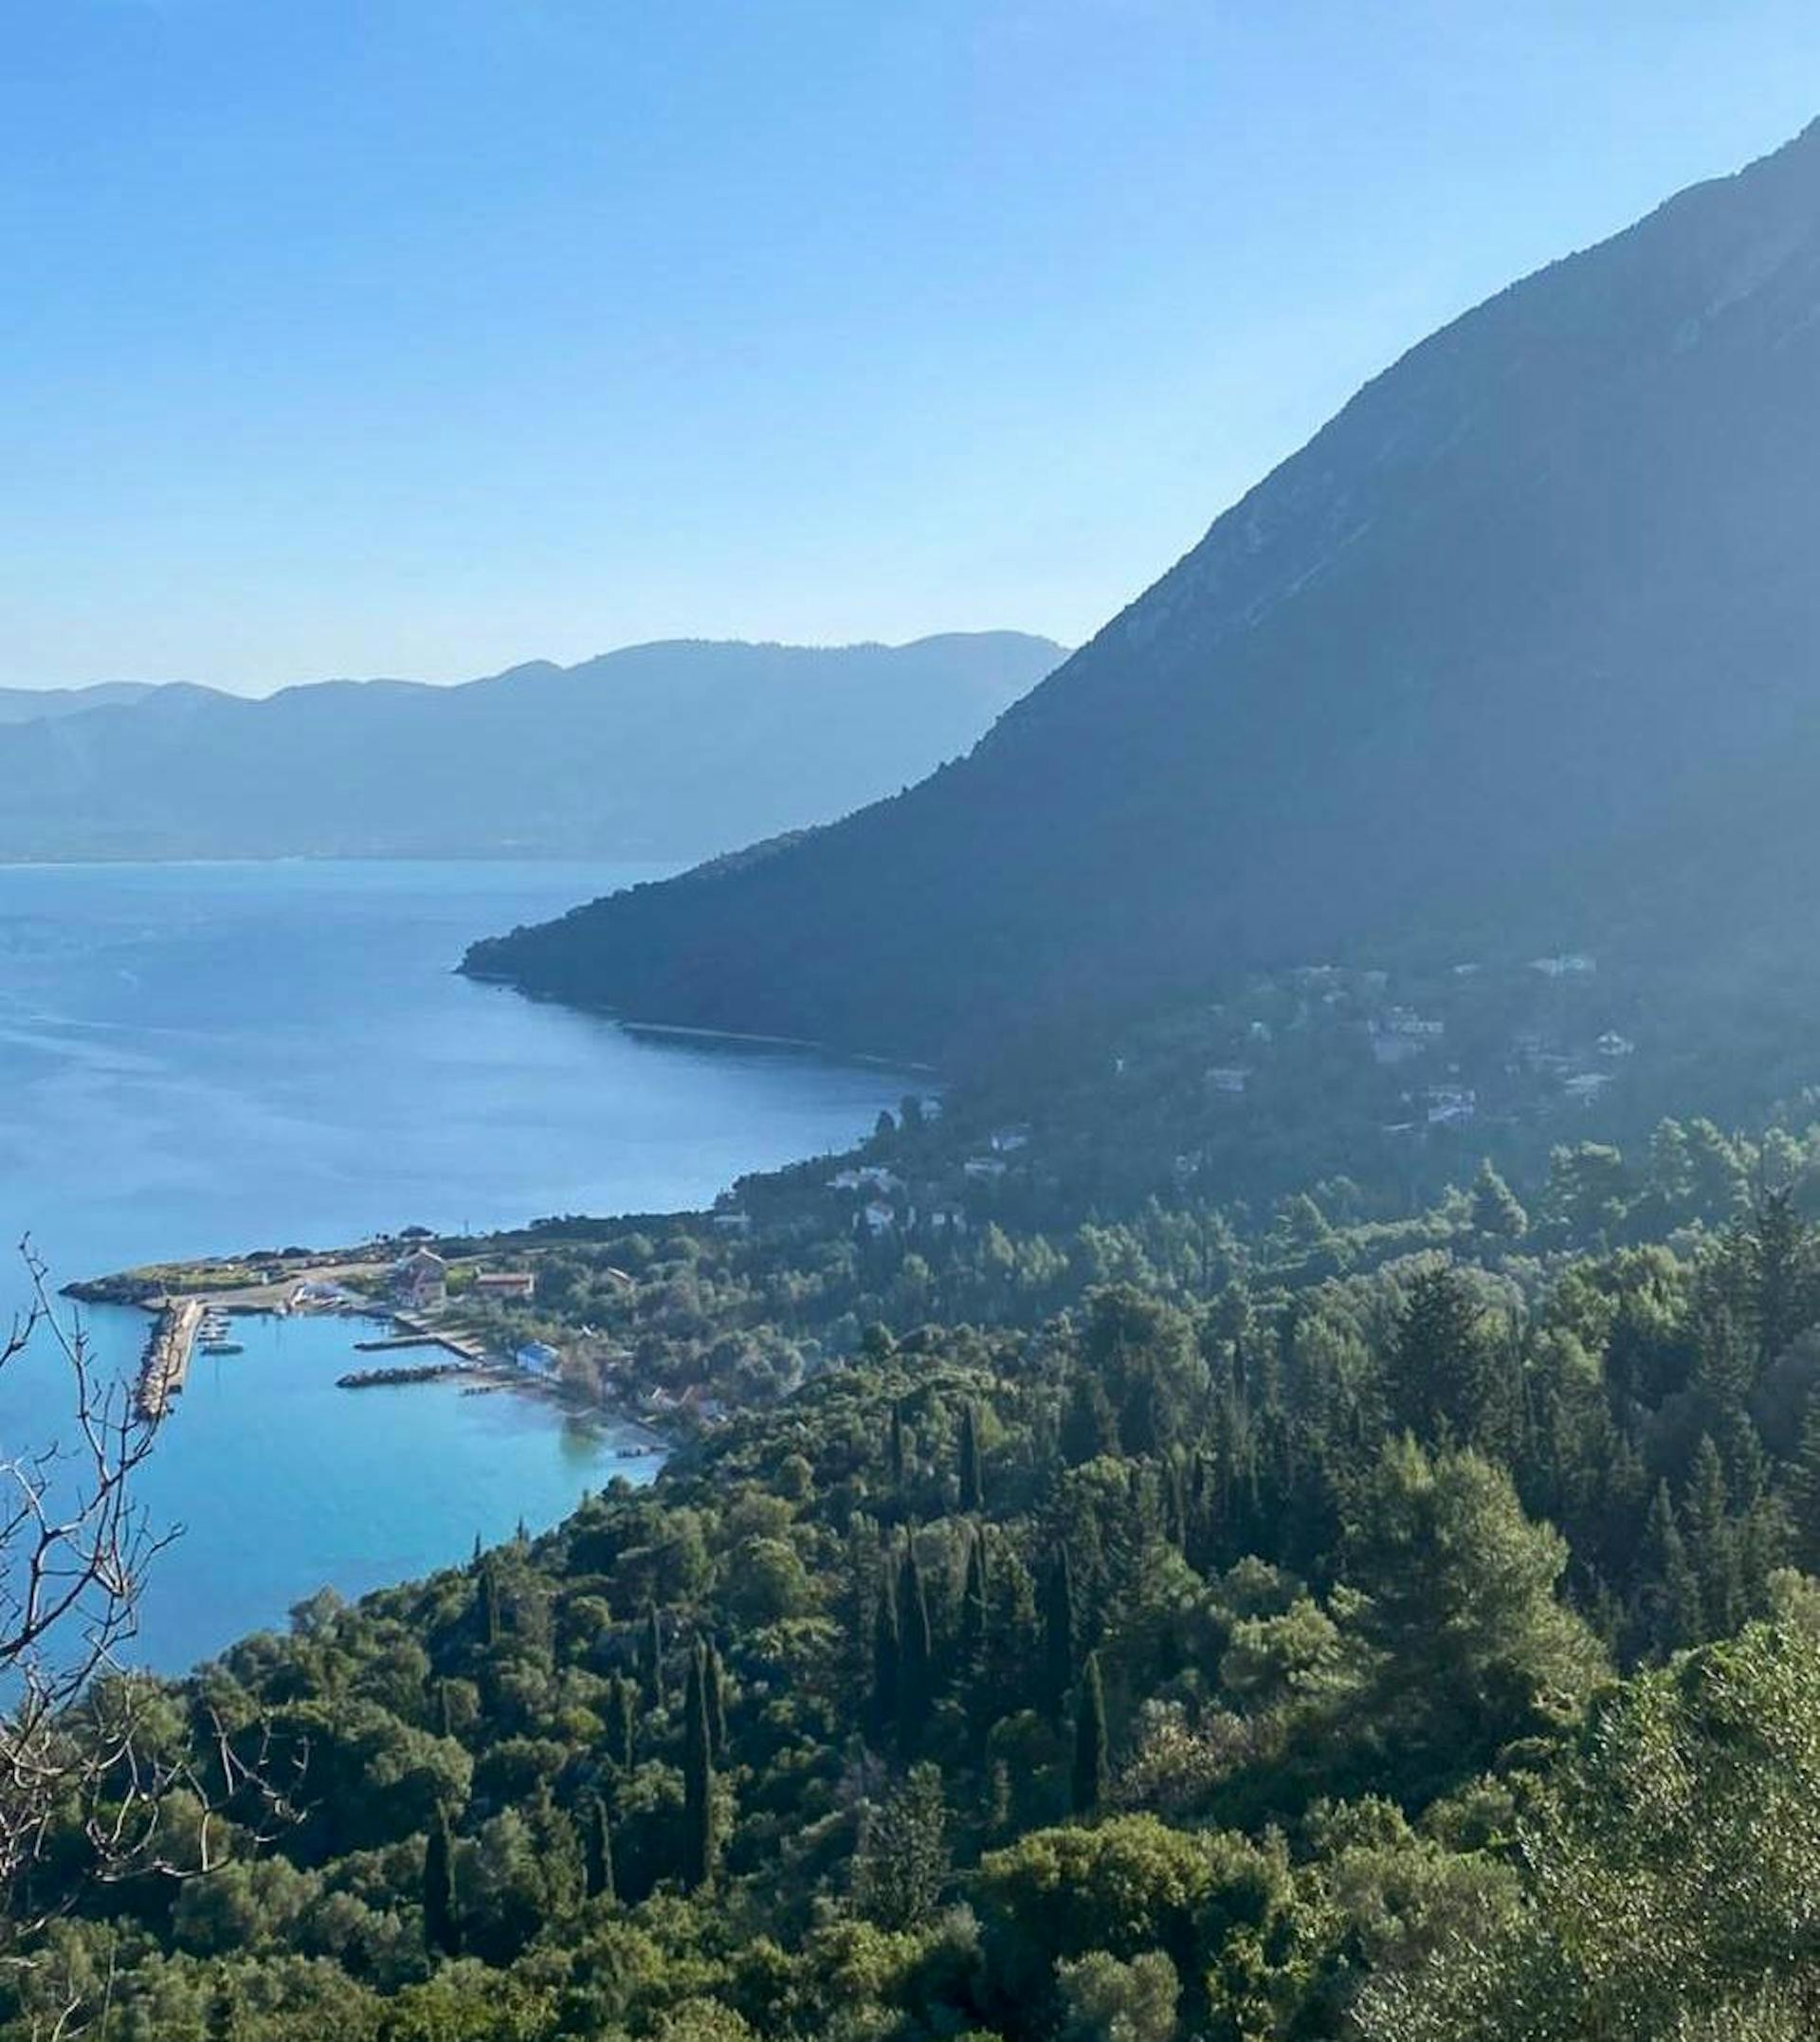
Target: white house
(1613, 1044)
(1228, 1078)
(1451, 1106)
(878, 1218)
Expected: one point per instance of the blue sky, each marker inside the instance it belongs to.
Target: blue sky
(418, 336)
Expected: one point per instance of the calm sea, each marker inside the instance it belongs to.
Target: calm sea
(196, 1058)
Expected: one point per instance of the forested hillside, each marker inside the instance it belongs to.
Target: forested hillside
(1517, 654)
(1339, 1632)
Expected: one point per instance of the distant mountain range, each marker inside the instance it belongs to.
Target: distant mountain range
(35, 705)
(670, 751)
(1521, 652)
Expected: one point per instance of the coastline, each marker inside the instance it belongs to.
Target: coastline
(245, 1287)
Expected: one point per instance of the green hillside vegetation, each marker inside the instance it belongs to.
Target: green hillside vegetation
(1345, 1652)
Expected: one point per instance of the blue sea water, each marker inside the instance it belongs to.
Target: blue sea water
(218, 1057)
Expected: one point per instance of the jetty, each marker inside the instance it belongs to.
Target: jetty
(166, 1364)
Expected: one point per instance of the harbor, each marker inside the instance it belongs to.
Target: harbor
(165, 1367)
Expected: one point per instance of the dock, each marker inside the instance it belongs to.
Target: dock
(166, 1365)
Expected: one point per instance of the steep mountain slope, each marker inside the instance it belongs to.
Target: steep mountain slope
(676, 750)
(1523, 649)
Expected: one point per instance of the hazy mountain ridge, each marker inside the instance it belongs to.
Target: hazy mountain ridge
(1520, 650)
(673, 750)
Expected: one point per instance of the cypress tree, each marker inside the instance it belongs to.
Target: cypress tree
(492, 1622)
(887, 1653)
(1667, 1608)
(917, 1672)
(1712, 1542)
(717, 1704)
(1804, 1491)
(445, 1713)
(650, 1659)
(1058, 1633)
(597, 1850)
(622, 1723)
(900, 1457)
(1092, 1768)
(697, 1778)
(973, 1611)
(972, 1484)
(442, 1928)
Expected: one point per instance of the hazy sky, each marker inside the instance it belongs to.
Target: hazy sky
(419, 337)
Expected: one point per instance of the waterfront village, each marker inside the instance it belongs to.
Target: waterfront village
(999, 1197)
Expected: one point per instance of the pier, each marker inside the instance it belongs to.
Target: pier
(166, 1366)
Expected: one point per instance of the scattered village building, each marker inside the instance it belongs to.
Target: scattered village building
(870, 1176)
(878, 1217)
(1568, 964)
(947, 1219)
(507, 1287)
(540, 1358)
(1586, 1086)
(1403, 1033)
(1613, 1044)
(420, 1280)
(1007, 1141)
(1451, 1106)
(1228, 1078)
(983, 1168)
(734, 1221)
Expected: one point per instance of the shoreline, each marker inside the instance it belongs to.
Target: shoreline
(472, 1368)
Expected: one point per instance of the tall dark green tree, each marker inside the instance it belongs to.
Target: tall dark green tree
(1059, 1633)
(1803, 1488)
(441, 1924)
(972, 1481)
(1092, 1762)
(622, 1723)
(887, 1650)
(917, 1675)
(1446, 1379)
(597, 1850)
(697, 1778)
(896, 1449)
(492, 1618)
(650, 1659)
(714, 1675)
(1712, 1541)
(1666, 1610)
(974, 1609)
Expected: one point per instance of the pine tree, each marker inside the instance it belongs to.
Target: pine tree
(916, 1673)
(697, 1778)
(650, 1660)
(221, 2023)
(717, 1704)
(622, 1723)
(441, 1926)
(1058, 1634)
(1495, 1209)
(1089, 1426)
(597, 1850)
(972, 1484)
(1092, 1766)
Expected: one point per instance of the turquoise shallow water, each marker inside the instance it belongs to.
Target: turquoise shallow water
(218, 1057)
